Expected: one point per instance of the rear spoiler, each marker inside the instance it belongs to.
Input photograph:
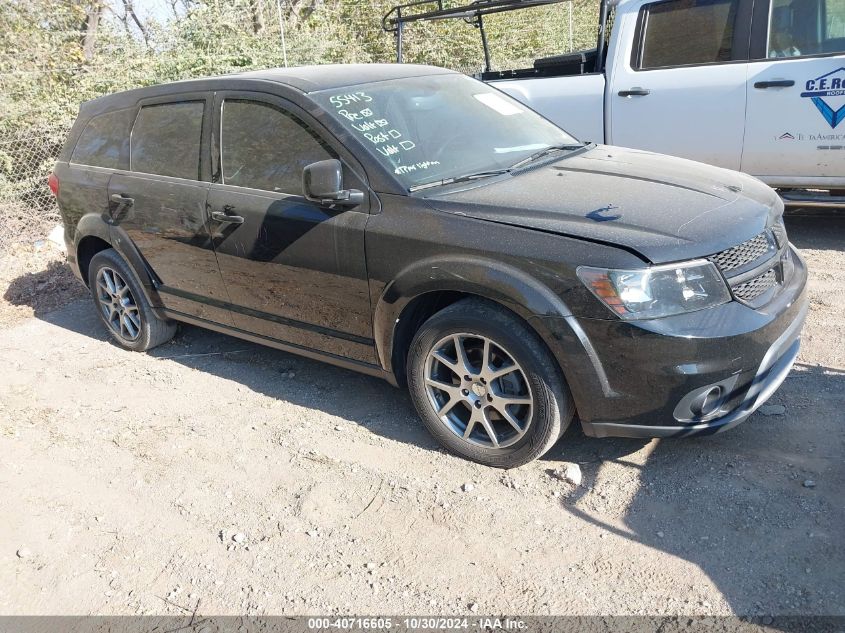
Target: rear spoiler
(394, 21)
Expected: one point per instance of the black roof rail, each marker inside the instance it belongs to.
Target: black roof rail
(390, 21)
(394, 18)
(472, 13)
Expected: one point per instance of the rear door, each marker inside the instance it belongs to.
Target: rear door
(795, 131)
(677, 80)
(102, 149)
(295, 270)
(160, 203)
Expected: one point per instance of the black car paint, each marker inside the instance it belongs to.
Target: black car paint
(317, 254)
(515, 239)
(667, 209)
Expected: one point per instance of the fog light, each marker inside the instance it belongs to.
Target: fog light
(708, 402)
(705, 403)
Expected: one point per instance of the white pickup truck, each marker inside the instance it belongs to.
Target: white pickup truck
(752, 85)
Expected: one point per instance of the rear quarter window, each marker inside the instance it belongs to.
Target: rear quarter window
(166, 139)
(105, 140)
(686, 32)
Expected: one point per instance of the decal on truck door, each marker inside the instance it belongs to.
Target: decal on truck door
(830, 85)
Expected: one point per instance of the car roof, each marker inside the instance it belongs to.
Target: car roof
(331, 76)
(305, 79)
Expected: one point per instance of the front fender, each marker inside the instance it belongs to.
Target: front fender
(490, 279)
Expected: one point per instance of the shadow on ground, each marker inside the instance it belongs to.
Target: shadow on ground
(760, 509)
(46, 290)
(734, 505)
(821, 230)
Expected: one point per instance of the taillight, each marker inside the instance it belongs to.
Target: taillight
(53, 183)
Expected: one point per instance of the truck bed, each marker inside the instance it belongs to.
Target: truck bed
(575, 103)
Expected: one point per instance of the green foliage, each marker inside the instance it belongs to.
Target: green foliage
(45, 76)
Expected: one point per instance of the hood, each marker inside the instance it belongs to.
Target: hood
(666, 209)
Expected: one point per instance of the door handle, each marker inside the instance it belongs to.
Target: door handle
(635, 92)
(775, 83)
(119, 198)
(225, 218)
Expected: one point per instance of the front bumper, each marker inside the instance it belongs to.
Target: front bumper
(628, 378)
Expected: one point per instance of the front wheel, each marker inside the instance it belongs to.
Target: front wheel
(122, 306)
(485, 385)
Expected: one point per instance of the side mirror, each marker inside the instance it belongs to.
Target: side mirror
(323, 182)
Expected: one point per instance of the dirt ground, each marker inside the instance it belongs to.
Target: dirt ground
(247, 480)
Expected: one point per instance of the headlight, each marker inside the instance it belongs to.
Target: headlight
(658, 291)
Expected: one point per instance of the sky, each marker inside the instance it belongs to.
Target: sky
(157, 9)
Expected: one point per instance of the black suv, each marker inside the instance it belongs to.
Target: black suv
(415, 224)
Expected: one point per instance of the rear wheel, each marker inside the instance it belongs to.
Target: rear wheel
(486, 386)
(122, 306)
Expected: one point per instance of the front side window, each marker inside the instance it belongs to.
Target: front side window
(806, 27)
(423, 129)
(263, 147)
(684, 32)
(105, 141)
(166, 140)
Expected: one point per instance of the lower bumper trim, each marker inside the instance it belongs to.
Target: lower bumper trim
(760, 391)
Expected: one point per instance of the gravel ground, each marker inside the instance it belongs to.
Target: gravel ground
(247, 480)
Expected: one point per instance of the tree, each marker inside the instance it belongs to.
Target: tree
(301, 10)
(130, 12)
(257, 9)
(89, 29)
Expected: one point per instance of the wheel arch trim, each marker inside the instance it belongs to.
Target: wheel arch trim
(501, 283)
(94, 225)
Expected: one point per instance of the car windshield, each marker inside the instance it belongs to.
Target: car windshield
(441, 127)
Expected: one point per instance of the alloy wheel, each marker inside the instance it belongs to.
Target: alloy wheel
(478, 390)
(118, 305)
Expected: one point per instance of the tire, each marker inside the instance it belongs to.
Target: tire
(519, 396)
(122, 305)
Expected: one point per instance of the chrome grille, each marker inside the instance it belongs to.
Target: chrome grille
(743, 254)
(753, 288)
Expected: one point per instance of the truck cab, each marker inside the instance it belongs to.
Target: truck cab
(750, 85)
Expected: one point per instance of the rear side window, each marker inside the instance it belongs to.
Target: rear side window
(166, 139)
(683, 32)
(263, 147)
(105, 141)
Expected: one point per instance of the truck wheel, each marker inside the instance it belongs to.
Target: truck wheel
(485, 385)
(122, 305)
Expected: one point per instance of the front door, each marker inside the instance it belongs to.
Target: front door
(795, 132)
(675, 86)
(295, 270)
(160, 204)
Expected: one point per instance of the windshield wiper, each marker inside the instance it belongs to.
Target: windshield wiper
(496, 172)
(465, 178)
(544, 152)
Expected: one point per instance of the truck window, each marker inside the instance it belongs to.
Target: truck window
(806, 27)
(166, 140)
(105, 141)
(684, 32)
(265, 148)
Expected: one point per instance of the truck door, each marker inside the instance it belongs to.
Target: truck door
(675, 86)
(795, 130)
